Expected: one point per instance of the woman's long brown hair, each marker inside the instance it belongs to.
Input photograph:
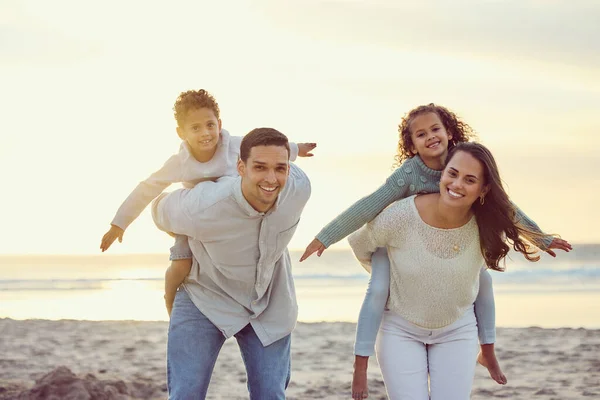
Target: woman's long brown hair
(496, 218)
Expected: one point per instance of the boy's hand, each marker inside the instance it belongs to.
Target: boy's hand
(558, 244)
(304, 149)
(315, 245)
(109, 237)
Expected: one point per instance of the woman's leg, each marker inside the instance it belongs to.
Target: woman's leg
(402, 357)
(485, 312)
(452, 358)
(369, 320)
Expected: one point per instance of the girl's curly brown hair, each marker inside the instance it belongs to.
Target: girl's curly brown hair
(191, 100)
(460, 131)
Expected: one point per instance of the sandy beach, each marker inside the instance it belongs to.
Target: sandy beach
(67, 359)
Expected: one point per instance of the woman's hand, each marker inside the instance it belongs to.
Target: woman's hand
(315, 245)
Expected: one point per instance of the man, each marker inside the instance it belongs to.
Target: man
(241, 282)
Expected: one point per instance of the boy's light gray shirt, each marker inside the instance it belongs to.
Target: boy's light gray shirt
(184, 168)
(241, 271)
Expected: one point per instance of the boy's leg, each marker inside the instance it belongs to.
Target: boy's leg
(268, 368)
(485, 312)
(174, 277)
(192, 349)
(181, 264)
(181, 248)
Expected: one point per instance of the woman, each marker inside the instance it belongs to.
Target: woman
(438, 244)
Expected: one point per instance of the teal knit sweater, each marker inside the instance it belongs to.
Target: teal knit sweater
(412, 177)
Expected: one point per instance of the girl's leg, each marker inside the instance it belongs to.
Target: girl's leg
(452, 360)
(402, 357)
(485, 312)
(485, 309)
(369, 320)
(372, 308)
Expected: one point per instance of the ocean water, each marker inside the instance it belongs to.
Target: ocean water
(560, 292)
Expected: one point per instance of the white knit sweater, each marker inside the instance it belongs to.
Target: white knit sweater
(434, 273)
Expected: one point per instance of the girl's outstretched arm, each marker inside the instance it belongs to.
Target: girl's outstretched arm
(407, 180)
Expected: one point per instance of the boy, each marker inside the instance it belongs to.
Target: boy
(207, 152)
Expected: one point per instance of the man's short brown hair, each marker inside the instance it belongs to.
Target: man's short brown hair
(262, 137)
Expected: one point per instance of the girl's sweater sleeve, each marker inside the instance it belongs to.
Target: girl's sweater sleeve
(524, 220)
(396, 187)
(146, 191)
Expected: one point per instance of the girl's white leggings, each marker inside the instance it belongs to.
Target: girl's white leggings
(408, 355)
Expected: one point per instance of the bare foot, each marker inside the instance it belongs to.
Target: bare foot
(487, 358)
(360, 388)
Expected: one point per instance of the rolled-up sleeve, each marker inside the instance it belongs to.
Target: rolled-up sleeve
(170, 212)
(366, 240)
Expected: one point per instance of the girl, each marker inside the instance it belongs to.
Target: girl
(426, 134)
(206, 153)
(438, 244)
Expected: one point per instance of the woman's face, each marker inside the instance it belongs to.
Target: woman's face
(463, 181)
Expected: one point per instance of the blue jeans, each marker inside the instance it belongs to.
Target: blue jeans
(194, 344)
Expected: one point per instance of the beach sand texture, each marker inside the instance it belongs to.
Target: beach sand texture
(126, 359)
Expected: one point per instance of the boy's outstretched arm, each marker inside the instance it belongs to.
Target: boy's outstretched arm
(140, 197)
(109, 237)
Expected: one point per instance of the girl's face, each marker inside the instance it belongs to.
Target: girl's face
(429, 137)
(463, 181)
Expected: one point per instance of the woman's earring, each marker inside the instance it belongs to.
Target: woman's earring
(482, 199)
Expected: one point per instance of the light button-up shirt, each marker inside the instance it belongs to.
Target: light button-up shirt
(241, 270)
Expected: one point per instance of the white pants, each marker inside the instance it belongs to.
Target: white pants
(408, 354)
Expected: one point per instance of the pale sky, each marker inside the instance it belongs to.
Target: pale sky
(87, 90)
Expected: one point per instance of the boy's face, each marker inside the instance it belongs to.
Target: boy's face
(200, 130)
(264, 175)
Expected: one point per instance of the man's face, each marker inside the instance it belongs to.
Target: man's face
(264, 175)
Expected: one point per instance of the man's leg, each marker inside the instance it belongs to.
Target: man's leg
(192, 349)
(268, 368)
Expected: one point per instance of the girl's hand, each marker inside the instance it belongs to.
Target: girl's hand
(315, 245)
(109, 237)
(558, 244)
(304, 149)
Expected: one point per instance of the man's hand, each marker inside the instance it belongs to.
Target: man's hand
(304, 149)
(109, 237)
(559, 244)
(315, 245)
